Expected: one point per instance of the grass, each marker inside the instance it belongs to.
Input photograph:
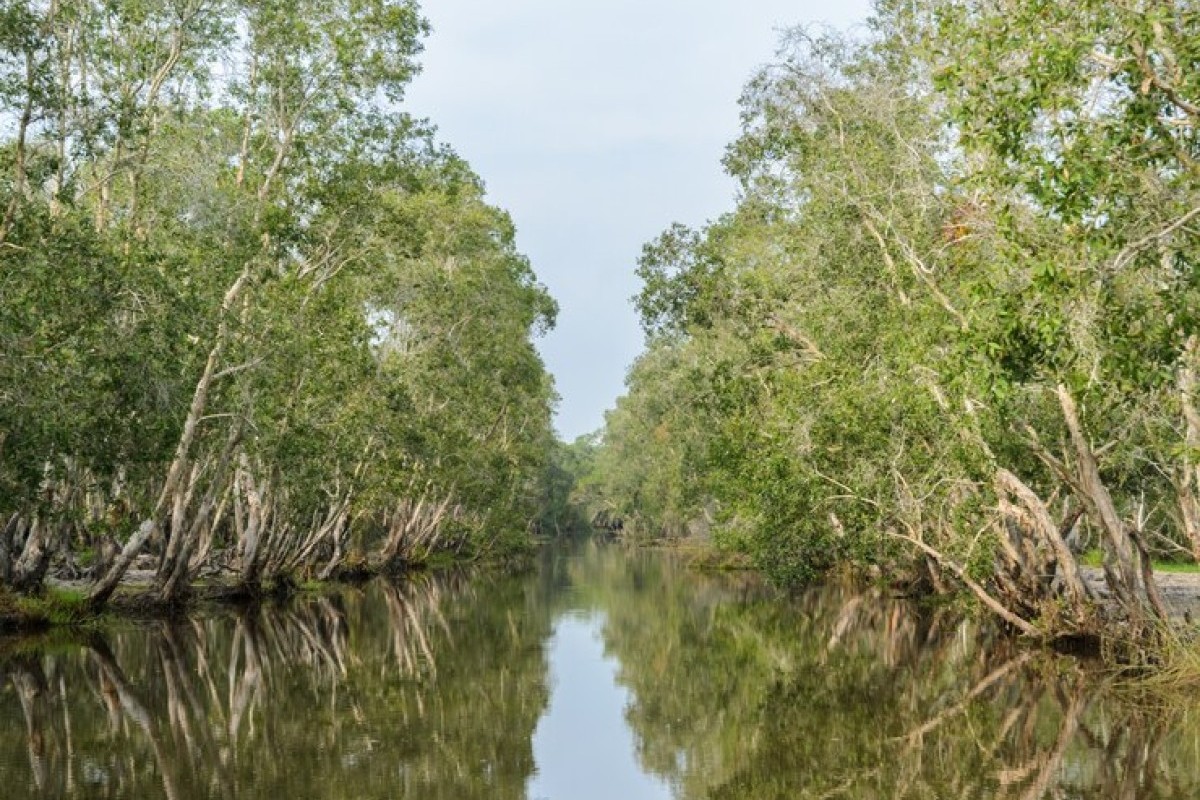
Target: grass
(54, 607)
(706, 558)
(1174, 662)
(439, 560)
(1095, 558)
(1177, 566)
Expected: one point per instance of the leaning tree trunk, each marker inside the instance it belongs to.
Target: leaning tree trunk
(104, 588)
(176, 569)
(1132, 583)
(255, 520)
(414, 530)
(1040, 566)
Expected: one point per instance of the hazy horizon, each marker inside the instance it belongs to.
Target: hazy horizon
(597, 125)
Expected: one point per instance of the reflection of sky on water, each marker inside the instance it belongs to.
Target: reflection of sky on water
(583, 747)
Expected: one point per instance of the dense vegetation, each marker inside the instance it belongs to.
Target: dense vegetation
(950, 329)
(253, 317)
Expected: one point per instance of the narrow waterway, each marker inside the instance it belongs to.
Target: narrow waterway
(601, 674)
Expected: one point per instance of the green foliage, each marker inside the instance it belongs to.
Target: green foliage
(229, 181)
(563, 508)
(807, 346)
(939, 224)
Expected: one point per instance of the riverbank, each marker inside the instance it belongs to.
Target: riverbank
(1164, 653)
(1180, 590)
(64, 604)
(605, 666)
(1178, 584)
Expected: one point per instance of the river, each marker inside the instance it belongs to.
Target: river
(604, 673)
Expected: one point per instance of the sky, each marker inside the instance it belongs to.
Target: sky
(596, 124)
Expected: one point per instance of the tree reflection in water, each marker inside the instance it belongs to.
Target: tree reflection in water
(852, 694)
(432, 688)
(366, 694)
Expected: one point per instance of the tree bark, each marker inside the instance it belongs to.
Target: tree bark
(30, 569)
(176, 568)
(7, 534)
(104, 588)
(1067, 568)
(1187, 483)
(1124, 580)
(255, 521)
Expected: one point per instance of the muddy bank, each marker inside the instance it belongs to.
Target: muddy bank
(1180, 590)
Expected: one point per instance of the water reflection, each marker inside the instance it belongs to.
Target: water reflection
(583, 747)
(423, 689)
(856, 695)
(602, 674)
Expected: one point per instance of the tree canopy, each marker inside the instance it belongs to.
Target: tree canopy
(254, 315)
(949, 329)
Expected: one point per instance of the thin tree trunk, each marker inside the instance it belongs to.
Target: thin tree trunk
(151, 110)
(1044, 526)
(335, 559)
(1147, 570)
(255, 522)
(7, 534)
(203, 547)
(103, 589)
(1125, 579)
(247, 127)
(176, 531)
(1187, 485)
(176, 563)
(984, 596)
(64, 87)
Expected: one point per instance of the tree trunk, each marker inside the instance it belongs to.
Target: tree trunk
(1187, 482)
(1037, 516)
(176, 531)
(7, 534)
(176, 568)
(255, 520)
(30, 569)
(203, 548)
(104, 588)
(1123, 577)
(985, 597)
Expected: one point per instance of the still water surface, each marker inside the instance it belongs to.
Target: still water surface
(603, 674)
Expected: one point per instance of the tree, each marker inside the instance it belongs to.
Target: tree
(256, 318)
(950, 326)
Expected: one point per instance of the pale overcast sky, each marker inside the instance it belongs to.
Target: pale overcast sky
(597, 124)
